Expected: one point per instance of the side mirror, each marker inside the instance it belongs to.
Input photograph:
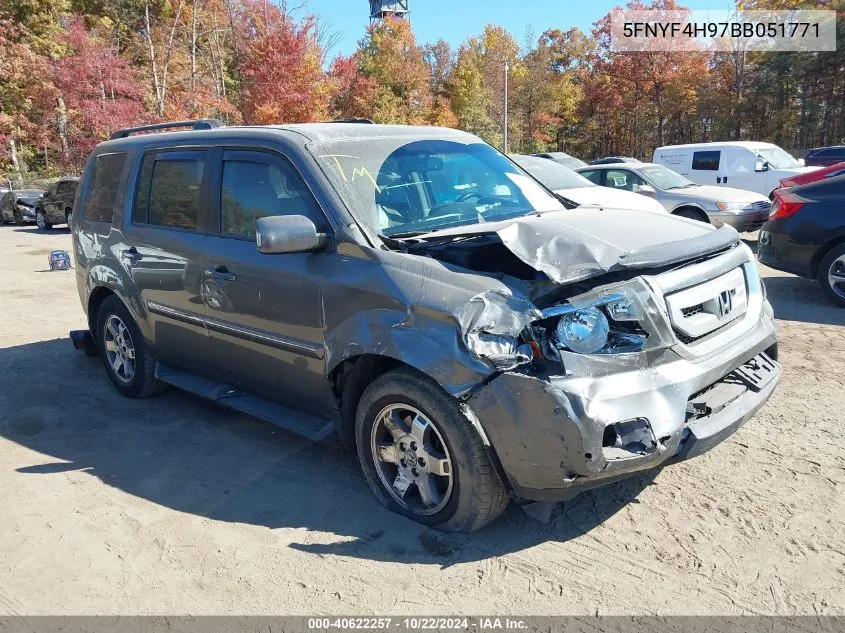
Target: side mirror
(287, 234)
(802, 162)
(761, 165)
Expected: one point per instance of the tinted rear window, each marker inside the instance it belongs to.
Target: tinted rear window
(706, 161)
(169, 190)
(593, 175)
(103, 182)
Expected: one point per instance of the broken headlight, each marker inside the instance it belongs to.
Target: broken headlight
(583, 331)
(606, 325)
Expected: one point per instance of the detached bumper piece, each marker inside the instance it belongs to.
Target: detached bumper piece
(84, 342)
(712, 413)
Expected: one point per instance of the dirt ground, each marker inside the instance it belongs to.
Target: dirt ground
(174, 506)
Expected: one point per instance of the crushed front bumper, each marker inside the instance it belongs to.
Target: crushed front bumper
(555, 436)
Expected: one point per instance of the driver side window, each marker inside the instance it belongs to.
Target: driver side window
(623, 179)
(253, 189)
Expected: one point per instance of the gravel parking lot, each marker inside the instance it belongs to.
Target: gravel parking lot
(174, 506)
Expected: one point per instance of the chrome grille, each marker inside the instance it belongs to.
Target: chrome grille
(698, 311)
(688, 312)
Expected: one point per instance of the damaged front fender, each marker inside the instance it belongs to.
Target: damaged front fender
(456, 326)
(491, 323)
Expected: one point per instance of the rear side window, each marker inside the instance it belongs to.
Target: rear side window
(67, 186)
(169, 190)
(103, 187)
(593, 175)
(706, 161)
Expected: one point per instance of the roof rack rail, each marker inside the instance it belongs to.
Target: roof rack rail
(198, 124)
(353, 120)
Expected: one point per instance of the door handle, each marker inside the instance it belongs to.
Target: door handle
(132, 253)
(718, 180)
(725, 179)
(220, 273)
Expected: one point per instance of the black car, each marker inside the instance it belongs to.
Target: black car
(19, 206)
(608, 160)
(824, 156)
(56, 205)
(805, 234)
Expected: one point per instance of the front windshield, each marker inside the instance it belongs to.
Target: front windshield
(663, 178)
(553, 175)
(396, 186)
(778, 158)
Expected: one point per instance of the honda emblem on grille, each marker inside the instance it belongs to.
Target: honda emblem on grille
(724, 303)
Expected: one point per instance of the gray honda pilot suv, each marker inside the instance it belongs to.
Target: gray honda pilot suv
(416, 295)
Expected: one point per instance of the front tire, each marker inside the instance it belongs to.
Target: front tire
(41, 221)
(121, 345)
(832, 275)
(421, 456)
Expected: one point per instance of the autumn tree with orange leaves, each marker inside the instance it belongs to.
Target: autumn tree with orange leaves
(281, 77)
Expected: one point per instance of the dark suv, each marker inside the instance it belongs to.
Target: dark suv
(413, 293)
(56, 205)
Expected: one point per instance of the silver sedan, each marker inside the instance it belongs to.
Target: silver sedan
(743, 210)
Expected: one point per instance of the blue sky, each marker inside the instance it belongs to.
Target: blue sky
(456, 20)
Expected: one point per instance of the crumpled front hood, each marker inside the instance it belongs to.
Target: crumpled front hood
(572, 245)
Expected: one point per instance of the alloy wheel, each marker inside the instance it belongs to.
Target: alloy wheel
(120, 350)
(836, 276)
(412, 459)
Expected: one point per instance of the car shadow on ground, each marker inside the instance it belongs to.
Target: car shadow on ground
(193, 456)
(35, 229)
(798, 299)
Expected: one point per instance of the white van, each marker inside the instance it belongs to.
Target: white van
(740, 164)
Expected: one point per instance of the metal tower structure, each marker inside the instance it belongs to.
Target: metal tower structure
(380, 9)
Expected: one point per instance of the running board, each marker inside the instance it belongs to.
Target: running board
(309, 426)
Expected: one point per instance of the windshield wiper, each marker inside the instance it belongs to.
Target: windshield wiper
(689, 184)
(400, 236)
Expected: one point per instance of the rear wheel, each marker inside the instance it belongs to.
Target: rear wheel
(422, 457)
(832, 275)
(128, 363)
(41, 220)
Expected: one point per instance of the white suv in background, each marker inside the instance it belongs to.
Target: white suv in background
(747, 165)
